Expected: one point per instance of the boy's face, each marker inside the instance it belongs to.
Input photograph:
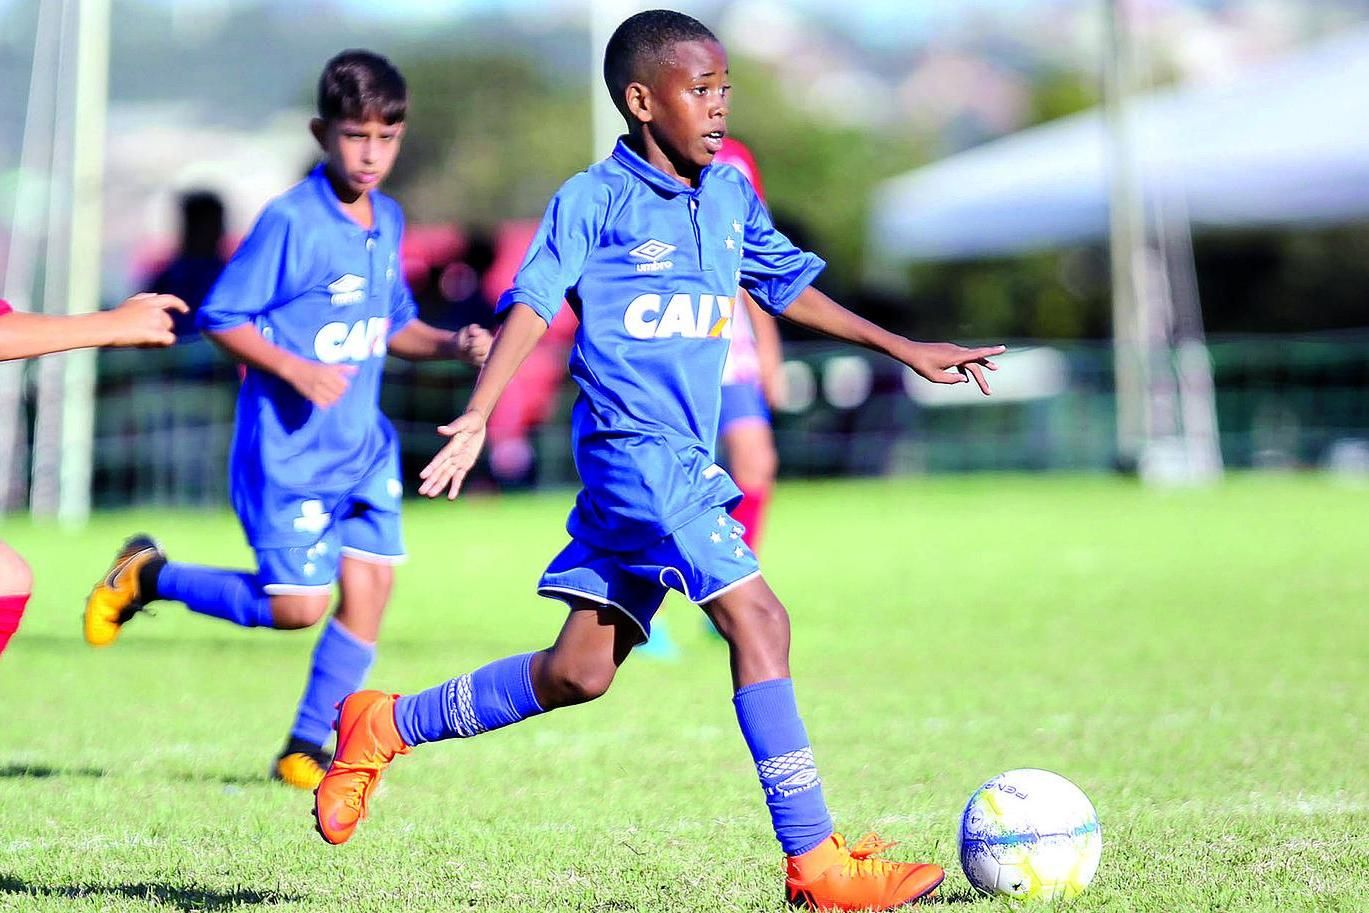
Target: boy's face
(686, 104)
(360, 153)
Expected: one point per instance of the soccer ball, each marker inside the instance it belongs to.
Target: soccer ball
(1030, 834)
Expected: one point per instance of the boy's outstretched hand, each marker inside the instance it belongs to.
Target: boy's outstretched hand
(457, 456)
(144, 320)
(948, 363)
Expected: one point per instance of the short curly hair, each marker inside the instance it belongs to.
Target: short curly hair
(644, 42)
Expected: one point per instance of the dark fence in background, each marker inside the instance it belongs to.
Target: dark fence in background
(164, 419)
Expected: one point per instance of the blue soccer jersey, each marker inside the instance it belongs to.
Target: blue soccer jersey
(652, 269)
(320, 286)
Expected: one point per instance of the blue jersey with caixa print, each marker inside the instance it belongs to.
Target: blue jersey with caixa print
(320, 286)
(652, 267)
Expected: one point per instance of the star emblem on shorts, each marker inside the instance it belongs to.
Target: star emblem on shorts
(736, 226)
(714, 537)
(739, 551)
(722, 521)
(730, 243)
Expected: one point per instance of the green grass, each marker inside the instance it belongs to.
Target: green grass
(1198, 662)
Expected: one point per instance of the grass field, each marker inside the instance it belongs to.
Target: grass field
(1198, 662)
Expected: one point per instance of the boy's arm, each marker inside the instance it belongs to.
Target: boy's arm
(931, 360)
(419, 341)
(140, 321)
(512, 343)
(321, 384)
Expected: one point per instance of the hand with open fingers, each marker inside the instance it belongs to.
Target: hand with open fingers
(323, 385)
(473, 342)
(948, 363)
(447, 470)
(145, 320)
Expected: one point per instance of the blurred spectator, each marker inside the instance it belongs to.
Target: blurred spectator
(454, 294)
(195, 268)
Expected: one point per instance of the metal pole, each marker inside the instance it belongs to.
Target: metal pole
(1126, 241)
(83, 261)
(604, 17)
(45, 487)
(27, 228)
(65, 423)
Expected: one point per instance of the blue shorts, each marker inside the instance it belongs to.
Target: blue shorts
(355, 528)
(702, 559)
(740, 402)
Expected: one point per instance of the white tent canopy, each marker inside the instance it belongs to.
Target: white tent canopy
(1287, 142)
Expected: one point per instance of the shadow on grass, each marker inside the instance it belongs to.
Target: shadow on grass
(224, 779)
(952, 896)
(171, 896)
(42, 771)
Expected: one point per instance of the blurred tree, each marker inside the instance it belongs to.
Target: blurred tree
(491, 137)
(1059, 93)
(818, 171)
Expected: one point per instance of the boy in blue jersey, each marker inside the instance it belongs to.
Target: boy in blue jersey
(311, 303)
(649, 246)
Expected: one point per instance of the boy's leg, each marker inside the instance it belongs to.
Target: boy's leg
(373, 727)
(753, 464)
(341, 660)
(16, 583)
(372, 544)
(822, 872)
(291, 588)
(577, 668)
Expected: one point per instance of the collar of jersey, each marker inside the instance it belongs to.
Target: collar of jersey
(334, 205)
(624, 155)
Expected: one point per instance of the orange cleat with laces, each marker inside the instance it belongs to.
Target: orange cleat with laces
(367, 741)
(832, 877)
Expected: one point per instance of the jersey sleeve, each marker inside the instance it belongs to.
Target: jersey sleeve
(773, 270)
(403, 308)
(556, 258)
(259, 277)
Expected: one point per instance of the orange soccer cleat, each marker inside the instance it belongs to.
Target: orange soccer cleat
(833, 877)
(367, 741)
(117, 597)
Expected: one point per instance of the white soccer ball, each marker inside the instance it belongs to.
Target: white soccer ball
(1030, 834)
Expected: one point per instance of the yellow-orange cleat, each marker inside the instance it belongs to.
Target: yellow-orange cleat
(367, 741)
(300, 765)
(118, 597)
(833, 877)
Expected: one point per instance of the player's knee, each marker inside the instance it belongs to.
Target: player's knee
(568, 682)
(755, 467)
(747, 622)
(367, 582)
(293, 612)
(15, 577)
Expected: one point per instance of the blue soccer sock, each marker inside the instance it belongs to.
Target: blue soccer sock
(231, 595)
(770, 723)
(491, 697)
(341, 661)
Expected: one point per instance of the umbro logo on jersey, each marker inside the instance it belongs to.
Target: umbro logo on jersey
(654, 252)
(347, 289)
